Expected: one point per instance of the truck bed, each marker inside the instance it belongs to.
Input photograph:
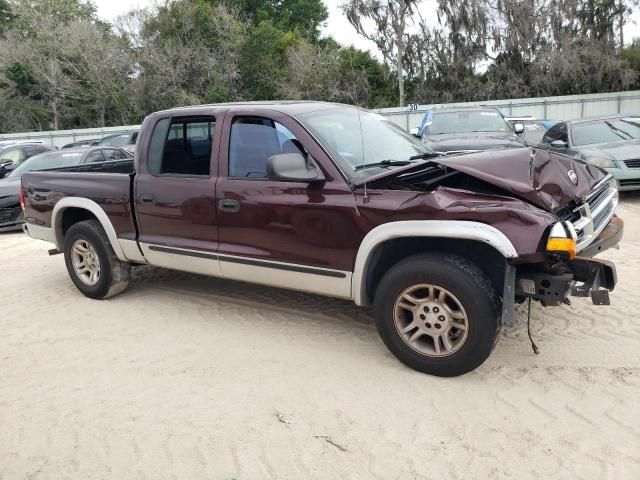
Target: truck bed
(109, 184)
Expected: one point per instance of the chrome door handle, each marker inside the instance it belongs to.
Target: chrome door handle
(229, 205)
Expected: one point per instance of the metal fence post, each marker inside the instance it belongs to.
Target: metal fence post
(545, 109)
(619, 103)
(407, 118)
(582, 108)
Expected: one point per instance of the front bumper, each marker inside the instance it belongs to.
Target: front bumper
(626, 178)
(608, 238)
(583, 276)
(11, 218)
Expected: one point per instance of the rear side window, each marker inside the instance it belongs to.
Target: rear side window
(181, 146)
(114, 154)
(253, 141)
(31, 151)
(95, 156)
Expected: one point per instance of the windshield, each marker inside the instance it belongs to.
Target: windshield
(358, 137)
(467, 121)
(603, 131)
(47, 160)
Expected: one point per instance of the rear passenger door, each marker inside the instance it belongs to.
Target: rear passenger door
(175, 194)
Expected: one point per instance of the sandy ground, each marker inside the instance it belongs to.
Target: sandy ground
(190, 377)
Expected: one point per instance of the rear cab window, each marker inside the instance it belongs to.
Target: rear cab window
(181, 146)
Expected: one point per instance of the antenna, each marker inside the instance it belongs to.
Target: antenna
(365, 198)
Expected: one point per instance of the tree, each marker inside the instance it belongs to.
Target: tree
(389, 34)
(5, 16)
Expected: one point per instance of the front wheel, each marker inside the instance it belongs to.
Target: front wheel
(92, 264)
(437, 313)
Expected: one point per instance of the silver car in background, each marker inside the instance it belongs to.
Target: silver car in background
(611, 142)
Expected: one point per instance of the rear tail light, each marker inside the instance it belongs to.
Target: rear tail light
(22, 197)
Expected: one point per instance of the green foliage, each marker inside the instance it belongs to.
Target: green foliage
(263, 59)
(61, 67)
(301, 16)
(22, 77)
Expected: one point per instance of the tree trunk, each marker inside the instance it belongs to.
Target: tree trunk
(400, 69)
(101, 115)
(54, 110)
(621, 26)
(399, 31)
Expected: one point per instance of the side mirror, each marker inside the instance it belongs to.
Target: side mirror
(518, 128)
(559, 144)
(292, 167)
(415, 131)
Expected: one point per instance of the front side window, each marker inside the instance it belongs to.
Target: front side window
(557, 132)
(14, 155)
(253, 141)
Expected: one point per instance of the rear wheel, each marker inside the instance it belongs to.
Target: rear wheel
(91, 262)
(437, 313)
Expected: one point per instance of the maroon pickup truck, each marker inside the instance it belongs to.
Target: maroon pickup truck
(338, 201)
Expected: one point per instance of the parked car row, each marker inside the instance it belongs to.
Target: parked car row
(125, 140)
(609, 142)
(11, 217)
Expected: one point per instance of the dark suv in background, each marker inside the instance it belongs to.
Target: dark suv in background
(464, 129)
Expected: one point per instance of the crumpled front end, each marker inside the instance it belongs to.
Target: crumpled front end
(569, 268)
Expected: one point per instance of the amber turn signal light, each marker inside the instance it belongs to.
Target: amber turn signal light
(562, 245)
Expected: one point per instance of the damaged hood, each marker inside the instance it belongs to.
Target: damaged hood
(545, 179)
(542, 178)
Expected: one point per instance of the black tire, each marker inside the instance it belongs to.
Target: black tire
(465, 281)
(114, 274)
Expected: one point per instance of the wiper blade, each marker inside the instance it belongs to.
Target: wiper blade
(426, 155)
(384, 163)
(616, 129)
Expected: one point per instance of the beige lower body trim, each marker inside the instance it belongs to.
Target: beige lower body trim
(131, 251)
(41, 233)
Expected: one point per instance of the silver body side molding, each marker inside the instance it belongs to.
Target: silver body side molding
(283, 275)
(98, 212)
(455, 229)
